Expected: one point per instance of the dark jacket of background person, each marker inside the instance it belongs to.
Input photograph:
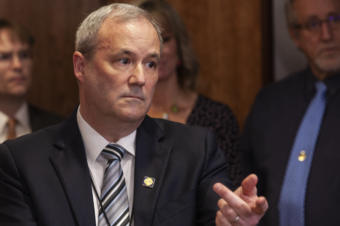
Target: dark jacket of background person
(268, 138)
(40, 118)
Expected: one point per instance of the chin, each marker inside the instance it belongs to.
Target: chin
(133, 116)
(18, 93)
(329, 65)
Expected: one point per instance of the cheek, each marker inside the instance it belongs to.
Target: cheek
(165, 51)
(173, 55)
(2, 81)
(308, 45)
(102, 78)
(151, 83)
(28, 69)
(169, 49)
(4, 78)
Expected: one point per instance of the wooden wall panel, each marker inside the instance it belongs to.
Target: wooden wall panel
(53, 23)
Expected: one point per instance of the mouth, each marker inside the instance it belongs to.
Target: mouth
(18, 79)
(138, 97)
(329, 51)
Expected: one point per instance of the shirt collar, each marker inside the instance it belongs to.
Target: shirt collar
(22, 116)
(94, 143)
(3, 120)
(332, 83)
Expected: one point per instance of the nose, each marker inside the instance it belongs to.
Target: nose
(16, 62)
(137, 76)
(326, 32)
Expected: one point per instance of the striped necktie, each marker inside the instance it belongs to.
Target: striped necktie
(114, 199)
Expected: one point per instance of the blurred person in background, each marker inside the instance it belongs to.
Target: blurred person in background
(17, 117)
(176, 98)
(291, 138)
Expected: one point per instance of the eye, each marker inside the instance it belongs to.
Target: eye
(124, 60)
(24, 54)
(151, 64)
(5, 56)
(167, 38)
(335, 19)
(313, 24)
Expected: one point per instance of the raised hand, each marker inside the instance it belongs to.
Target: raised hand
(241, 207)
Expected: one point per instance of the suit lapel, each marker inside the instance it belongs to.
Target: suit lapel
(69, 161)
(151, 161)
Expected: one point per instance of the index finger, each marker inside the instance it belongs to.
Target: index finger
(233, 200)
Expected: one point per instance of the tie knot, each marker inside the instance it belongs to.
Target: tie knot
(12, 121)
(320, 87)
(113, 152)
(11, 124)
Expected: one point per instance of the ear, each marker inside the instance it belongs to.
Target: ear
(78, 65)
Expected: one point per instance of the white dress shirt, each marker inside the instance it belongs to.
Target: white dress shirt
(94, 143)
(23, 123)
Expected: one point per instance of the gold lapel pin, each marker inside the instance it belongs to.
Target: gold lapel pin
(302, 156)
(149, 182)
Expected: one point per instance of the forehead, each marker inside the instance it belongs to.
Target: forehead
(137, 35)
(9, 40)
(316, 8)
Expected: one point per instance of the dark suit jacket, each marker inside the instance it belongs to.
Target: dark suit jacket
(269, 136)
(40, 118)
(44, 177)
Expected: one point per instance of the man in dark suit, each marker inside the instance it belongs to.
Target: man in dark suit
(111, 163)
(297, 163)
(17, 117)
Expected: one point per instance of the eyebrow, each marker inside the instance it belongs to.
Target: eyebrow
(155, 55)
(129, 52)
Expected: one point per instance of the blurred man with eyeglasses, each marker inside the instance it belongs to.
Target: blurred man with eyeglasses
(291, 138)
(17, 117)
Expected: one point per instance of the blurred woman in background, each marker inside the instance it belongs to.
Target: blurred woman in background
(176, 98)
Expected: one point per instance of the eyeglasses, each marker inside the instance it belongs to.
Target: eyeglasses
(314, 25)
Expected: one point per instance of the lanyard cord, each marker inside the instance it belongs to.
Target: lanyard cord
(100, 202)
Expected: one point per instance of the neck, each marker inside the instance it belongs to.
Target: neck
(320, 74)
(10, 105)
(111, 128)
(166, 94)
(172, 102)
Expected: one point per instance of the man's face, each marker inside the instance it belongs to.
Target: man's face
(15, 65)
(118, 80)
(321, 48)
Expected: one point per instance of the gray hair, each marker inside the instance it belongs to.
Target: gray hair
(86, 35)
(290, 12)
